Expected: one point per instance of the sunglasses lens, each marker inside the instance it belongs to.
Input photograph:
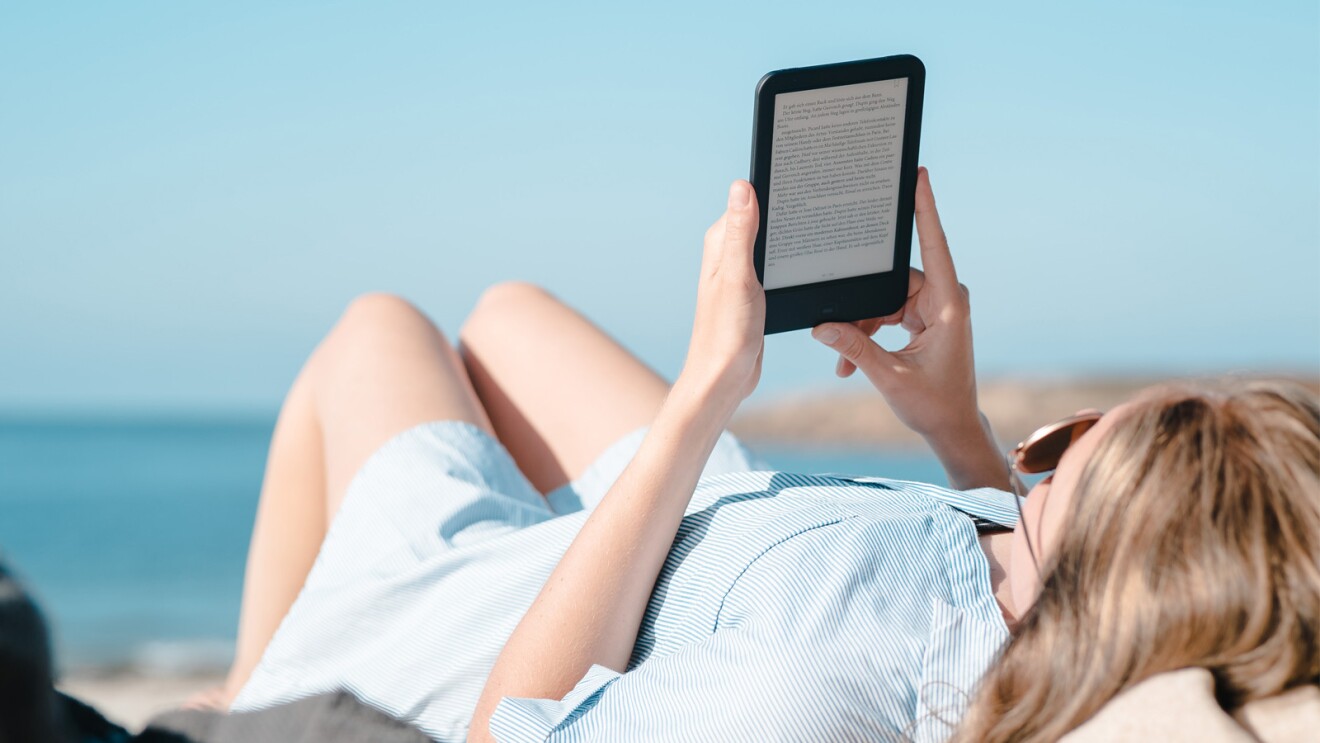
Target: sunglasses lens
(1044, 452)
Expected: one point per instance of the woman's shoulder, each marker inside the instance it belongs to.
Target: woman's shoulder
(863, 639)
(914, 620)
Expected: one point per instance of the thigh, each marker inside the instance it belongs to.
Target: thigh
(557, 388)
(383, 369)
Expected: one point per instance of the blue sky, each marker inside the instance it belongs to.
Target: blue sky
(190, 193)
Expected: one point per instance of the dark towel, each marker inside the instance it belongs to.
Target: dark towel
(326, 718)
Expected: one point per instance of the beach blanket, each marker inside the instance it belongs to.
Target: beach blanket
(327, 718)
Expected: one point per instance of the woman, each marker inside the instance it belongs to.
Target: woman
(683, 596)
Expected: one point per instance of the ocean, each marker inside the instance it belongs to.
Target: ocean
(132, 533)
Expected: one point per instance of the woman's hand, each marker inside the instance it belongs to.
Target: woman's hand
(728, 333)
(931, 383)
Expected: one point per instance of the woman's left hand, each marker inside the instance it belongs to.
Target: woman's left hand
(728, 334)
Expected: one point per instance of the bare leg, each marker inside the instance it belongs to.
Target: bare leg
(288, 530)
(383, 369)
(557, 388)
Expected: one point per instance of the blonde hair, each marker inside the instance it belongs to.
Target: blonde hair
(1195, 541)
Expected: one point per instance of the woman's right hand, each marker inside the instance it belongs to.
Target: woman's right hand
(931, 382)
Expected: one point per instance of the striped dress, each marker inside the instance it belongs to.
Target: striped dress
(791, 607)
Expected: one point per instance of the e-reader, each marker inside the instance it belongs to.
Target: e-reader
(834, 165)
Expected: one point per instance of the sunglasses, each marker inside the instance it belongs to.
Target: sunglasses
(1040, 452)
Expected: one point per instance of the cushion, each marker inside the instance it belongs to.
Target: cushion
(1181, 706)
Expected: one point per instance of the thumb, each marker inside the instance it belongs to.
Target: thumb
(741, 221)
(854, 345)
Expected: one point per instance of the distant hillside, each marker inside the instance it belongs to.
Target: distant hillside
(1015, 407)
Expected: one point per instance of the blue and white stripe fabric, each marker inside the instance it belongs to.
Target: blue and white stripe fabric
(792, 607)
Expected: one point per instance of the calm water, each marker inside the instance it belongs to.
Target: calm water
(133, 534)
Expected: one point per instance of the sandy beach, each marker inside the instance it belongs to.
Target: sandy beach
(1015, 407)
(131, 699)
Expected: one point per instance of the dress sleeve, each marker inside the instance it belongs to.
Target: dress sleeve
(518, 719)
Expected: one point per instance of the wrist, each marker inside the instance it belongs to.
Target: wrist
(970, 455)
(698, 391)
(952, 430)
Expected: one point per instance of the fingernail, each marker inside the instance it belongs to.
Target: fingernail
(739, 195)
(825, 335)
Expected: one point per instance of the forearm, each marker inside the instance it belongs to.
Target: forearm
(591, 607)
(970, 455)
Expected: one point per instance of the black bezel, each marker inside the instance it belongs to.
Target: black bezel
(857, 297)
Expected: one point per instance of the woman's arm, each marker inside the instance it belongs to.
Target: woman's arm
(591, 608)
(931, 383)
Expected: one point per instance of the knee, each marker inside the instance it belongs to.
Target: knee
(505, 302)
(510, 294)
(378, 308)
(373, 314)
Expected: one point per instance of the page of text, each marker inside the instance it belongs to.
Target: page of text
(834, 182)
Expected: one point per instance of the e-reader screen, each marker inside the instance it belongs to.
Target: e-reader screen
(834, 173)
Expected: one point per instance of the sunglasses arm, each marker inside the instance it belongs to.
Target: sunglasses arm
(1019, 488)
